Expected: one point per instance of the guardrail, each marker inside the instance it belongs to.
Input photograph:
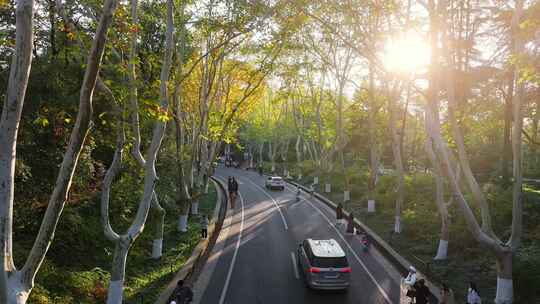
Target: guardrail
(401, 264)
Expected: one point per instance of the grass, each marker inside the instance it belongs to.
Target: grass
(421, 225)
(77, 271)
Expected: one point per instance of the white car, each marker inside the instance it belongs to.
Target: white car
(275, 182)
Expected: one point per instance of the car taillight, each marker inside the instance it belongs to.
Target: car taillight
(314, 270)
(346, 270)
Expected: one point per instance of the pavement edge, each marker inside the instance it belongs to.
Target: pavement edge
(395, 258)
(191, 269)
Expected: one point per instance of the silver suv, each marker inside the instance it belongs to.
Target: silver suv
(323, 264)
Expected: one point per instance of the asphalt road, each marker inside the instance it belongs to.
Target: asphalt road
(254, 261)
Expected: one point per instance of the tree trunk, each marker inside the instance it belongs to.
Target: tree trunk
(159, 225)
(507, 145)
(115, 293)
(9, 125)
(183, 196)
(8, 132)
(124, 242)
(398, 162)
(442, 251)
(372, 143)
(505, 290)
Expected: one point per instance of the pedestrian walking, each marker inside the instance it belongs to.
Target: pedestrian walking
(230, 188)
(339, 213)
(350, 224)
(364, 241)
(182, 293)
(445, 294)
(473, 296)
(422, 292)
(204, 226)
(233, 191)
(409, 283)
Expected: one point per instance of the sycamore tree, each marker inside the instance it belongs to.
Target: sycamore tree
(16, 284)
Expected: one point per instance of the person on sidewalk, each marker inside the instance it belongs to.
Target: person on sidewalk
(204, 226)
(233, 190)
(422, 292)
(350, 224)
(473, 297)
(445, 294)
(182, 294)
(409, 284)
(339, 213)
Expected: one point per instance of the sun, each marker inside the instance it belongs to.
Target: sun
(407, 53)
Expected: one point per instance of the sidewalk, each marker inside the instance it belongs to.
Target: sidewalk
(189, 271)
(384, 248)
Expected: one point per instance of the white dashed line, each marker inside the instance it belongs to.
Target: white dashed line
(275, 204)
(295, 265)
(379, 287)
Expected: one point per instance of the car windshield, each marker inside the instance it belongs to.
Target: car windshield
(277, 179)
(340, 262)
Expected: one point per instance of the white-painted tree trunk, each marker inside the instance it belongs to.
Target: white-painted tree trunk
(159, 227)
(157, 248)
(115, 293)
(116, 284)
(327, 188)
(315, 180)
(346, 195)
(371, 206)
(17, 293)
(182, 223)
(442, 250)
(397, 224)
(195, 207)
(19, 73)
(505, 291)
(300, 175)
(125, 241)
(15, 286)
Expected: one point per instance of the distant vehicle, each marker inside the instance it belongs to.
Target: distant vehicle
(275, 182)
(323, 264)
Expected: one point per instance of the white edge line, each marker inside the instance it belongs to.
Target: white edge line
(233, 260)
(379, 287)
(275, 204)
(296, 274)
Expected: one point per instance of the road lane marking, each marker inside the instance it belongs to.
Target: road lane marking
(233, 260)
(295, 265)
(275, 204)
(379, 287)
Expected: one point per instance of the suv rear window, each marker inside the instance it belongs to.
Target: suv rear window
(276, 179)
(330, 262)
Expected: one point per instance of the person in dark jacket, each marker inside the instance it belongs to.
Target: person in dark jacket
(233, 191)
(204, 226)
(339, 215)
(422, 292)
(182, 293)
(445, 294)
(350, 224)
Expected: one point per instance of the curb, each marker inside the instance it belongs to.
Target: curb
(395, 258)
(189, 271)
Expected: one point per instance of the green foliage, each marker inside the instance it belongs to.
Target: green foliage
(421, 225)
